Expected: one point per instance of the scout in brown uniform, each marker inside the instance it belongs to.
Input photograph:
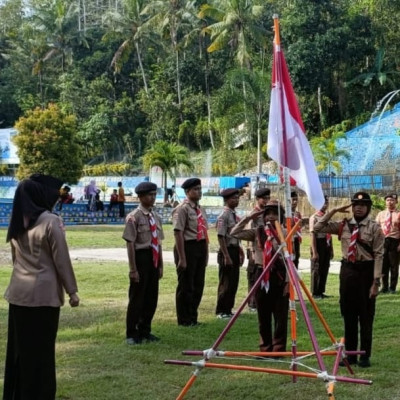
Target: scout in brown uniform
(230, 255)
(42, 271)
(321, 254)
(143, 234)
(262, 198)
(362, 249)
(297, 238)
(390, 225)
(191, 252)
(272, 296)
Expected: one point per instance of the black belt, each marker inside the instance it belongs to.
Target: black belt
(195, 241)
(358, 265)
(391, 239)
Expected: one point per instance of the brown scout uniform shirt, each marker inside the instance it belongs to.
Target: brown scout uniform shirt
(184, 218)
(313, 220)
(42, 265)
(395, 227)
(137, 228)
(225, 222)
(250, 233)
(370, 233)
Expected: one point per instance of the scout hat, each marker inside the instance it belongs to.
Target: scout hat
(277, 206)
(361, 197)
(145, 187)
(262, 192)
(227, 193)
(191, 182)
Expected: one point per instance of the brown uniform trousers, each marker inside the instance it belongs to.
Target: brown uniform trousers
(390, 264)
(228, 281)
(273, 304)
(320, 268)
(191, 281)
(355, 304)
(143, 296)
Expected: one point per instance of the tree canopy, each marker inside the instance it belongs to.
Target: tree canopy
(134, 72)
(47, 144)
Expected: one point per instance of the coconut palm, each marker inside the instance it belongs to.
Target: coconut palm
(172, 18)
(327, 154)
(127, 25)
(237, 24)
(168, 156)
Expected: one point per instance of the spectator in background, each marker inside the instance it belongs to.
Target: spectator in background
(113, 199)
(91, 192)
(121, 200)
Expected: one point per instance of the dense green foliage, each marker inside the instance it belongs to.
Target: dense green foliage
(134, 72)
(47, 143)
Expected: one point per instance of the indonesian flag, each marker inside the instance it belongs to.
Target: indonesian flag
(287, 142)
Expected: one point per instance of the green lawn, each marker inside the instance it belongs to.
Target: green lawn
(93, 361)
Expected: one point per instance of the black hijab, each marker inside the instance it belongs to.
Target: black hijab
(32, 197)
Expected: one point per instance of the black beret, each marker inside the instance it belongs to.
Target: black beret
(145, 187)
(361, 197)
(262, 192)
(392, 195)
(226, 193)
(293, 194)
(47, 180)
(189, 183)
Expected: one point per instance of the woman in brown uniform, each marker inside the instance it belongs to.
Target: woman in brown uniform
(42, 271)
(362, 249)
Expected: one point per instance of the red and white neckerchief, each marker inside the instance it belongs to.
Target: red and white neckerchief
(328, 236)
(387, 225)
(351, 253)
(267, 255)
(154, 240)
(296, 218)
(201, 225)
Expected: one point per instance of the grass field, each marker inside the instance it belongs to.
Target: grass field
(93, 361)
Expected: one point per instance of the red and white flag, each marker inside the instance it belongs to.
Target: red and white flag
(287, 142)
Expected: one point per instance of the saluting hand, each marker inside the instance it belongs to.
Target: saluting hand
(343, 209)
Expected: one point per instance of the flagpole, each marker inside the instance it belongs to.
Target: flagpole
(286, 180)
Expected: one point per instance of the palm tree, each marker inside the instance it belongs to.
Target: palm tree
(257, 85)
(168, 156)
(56, 20)
(127, 25)
(237, 24)
(327, 154)
(172, 18)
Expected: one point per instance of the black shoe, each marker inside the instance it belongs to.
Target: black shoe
(195, 323)
(364, 362)
(133, 341)
(316, 297)
(384, 291)
(325, 296)
(151, 338)
(391, 291)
